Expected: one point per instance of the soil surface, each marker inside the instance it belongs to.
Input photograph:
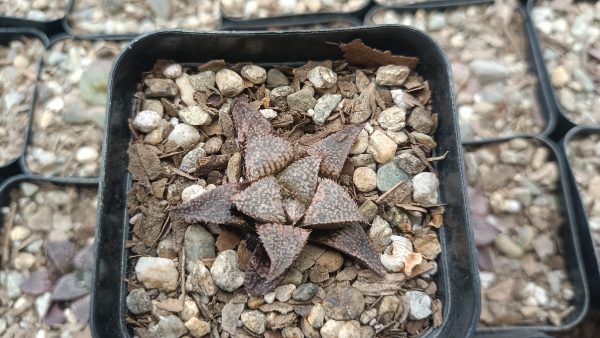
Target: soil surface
(569, 33)
(20, 63)
(516, 214)
(197, 158)
(47, 257)
(486, 46)
(68, 117)
(140, 16)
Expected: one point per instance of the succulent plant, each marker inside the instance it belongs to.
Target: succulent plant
(288, 197)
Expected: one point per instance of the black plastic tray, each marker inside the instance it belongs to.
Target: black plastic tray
(49, 28)
(29, 131)
(434, 4)
(592, 260)
(457, 280)
(237, 23)
(573, 258)
(7, 35)
(536, 66)
(283, 22)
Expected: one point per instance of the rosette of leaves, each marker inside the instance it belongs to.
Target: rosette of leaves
(287, 197)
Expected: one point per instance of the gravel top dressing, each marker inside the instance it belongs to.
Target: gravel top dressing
(279, 201)
(139, 16)
(47, 257)
(495, 90)
(252, 9)
(516, 216)
(40, 10)
(68, 117)
(19, 66)
(569, 33)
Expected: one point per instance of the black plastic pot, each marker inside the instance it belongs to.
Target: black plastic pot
(6, 36)
(284, 22)
(563, 123)
(14, 181)
(29, 132)
(592, 261)
(236, 23)
(536, 65)
(573, 258)
(457, 278)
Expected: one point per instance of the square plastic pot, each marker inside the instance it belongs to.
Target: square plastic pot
(574, 264)
(457, 279)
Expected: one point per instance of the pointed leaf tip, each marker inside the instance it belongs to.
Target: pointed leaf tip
(300, 178)
(249, 122)
(334, 149)
(266, 155)
(211, 207)
(351, 240)
(261, 201)
(331, 208)
(283, 243)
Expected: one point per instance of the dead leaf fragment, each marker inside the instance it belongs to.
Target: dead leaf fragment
(357, 53)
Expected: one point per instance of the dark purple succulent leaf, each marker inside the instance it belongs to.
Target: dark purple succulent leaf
(353, 241)
(84, 259)
(81, 308)
(69, 287)
(257, 270)
(483, 231)
(334, 149)
(485, 258)
(39, 282)
(61, 254)
(331, 208)
(55, 315)
(478, 202)
(283, 244)
(211, 207)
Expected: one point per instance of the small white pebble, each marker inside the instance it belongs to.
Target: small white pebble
(310, 112)
(369, 128)
(268, 113)
(174, 121)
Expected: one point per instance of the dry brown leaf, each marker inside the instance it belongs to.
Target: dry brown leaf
(357, 53)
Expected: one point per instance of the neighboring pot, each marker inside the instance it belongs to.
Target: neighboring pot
(587, 244)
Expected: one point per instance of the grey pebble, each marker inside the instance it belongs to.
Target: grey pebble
(324, 106)
(138, 301)
(198, 244)
(305, 292)
(302, 100)
(160, 88)
(389, 175)
(276, 78)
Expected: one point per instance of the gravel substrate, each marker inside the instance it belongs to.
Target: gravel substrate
(39, 10)
(584, 156)
(495, 91)
(516, 215)
(20, 60)
(47, 259)
(291, 181)
(68, 118)
(140, 16)
(569, 33)
(253, 9)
